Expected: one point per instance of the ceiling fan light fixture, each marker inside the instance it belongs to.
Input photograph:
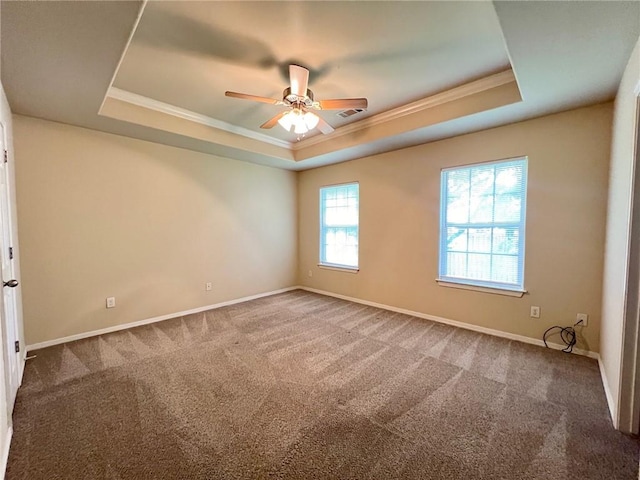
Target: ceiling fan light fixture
(300, 122)
(311, 120)
(301, 128)
(287, 121)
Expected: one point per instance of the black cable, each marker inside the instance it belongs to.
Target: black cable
(567, 334)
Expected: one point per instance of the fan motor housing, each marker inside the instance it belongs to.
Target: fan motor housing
(293, 99)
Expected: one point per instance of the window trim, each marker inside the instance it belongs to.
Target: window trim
(321, 251)
(477, 288)
(338, 268)
(484, 285)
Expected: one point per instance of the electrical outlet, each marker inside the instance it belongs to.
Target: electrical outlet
(535, 312)
(310, 273)
(111, 302)
(582, 317)
(208, 286)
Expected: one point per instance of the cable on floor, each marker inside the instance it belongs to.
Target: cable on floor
(567, 334)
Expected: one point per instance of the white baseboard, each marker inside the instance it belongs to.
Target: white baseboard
(613, 410)
(455, 323)
(5, 452)
(124, 326)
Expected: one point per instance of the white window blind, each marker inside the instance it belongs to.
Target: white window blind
(482, 224)
(339, 207)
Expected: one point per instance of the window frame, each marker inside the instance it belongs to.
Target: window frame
(487, 286)
(321, 250)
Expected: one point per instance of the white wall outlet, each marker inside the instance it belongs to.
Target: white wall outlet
(208, 286)
(111, 302)
(582, 317)
(310, 273)
(535, 312)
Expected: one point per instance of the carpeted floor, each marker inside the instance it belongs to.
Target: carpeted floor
(303, 386)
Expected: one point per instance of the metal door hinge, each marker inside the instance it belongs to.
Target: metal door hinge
(6, 157)
(10, 253)
(17, 346)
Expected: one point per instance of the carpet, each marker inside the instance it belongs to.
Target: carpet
(304, 386)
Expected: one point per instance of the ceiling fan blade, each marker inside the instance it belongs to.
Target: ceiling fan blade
(343, 104)
(299, 77)
(324, 127)
(272, 121)
(255, 98)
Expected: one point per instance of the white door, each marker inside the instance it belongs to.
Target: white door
(10, 321)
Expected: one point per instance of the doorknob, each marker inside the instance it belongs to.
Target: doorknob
(11, 283)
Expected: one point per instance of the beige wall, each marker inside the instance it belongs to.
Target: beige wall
(399, 222)
(620, 295)
(102, 215)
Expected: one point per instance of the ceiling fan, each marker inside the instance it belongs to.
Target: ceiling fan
(299, 118)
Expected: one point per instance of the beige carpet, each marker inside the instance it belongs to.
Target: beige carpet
(303, 386)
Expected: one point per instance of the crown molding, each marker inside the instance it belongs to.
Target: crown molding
(124, 52)
(457, 93)
(158, 106)
(423, 104)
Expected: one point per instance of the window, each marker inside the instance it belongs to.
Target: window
(482, 224)
(339, 206)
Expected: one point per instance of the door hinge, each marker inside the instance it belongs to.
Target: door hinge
(17, 346)
(6, 157)
(10, 253)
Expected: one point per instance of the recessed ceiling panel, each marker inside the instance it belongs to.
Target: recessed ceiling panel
(59, 58)
(187, 54)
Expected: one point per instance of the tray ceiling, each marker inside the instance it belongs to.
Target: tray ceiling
(158, 70)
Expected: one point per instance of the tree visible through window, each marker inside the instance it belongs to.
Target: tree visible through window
(482, 224)
(339, 205)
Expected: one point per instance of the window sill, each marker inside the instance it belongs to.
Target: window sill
(477, 288)
(338, 268)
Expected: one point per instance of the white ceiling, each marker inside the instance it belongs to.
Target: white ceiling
(188, 55)
(158, 70)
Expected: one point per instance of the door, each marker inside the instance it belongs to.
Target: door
(9, 310)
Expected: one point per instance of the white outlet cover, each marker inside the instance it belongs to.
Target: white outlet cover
(111, 302)
(584, 317)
